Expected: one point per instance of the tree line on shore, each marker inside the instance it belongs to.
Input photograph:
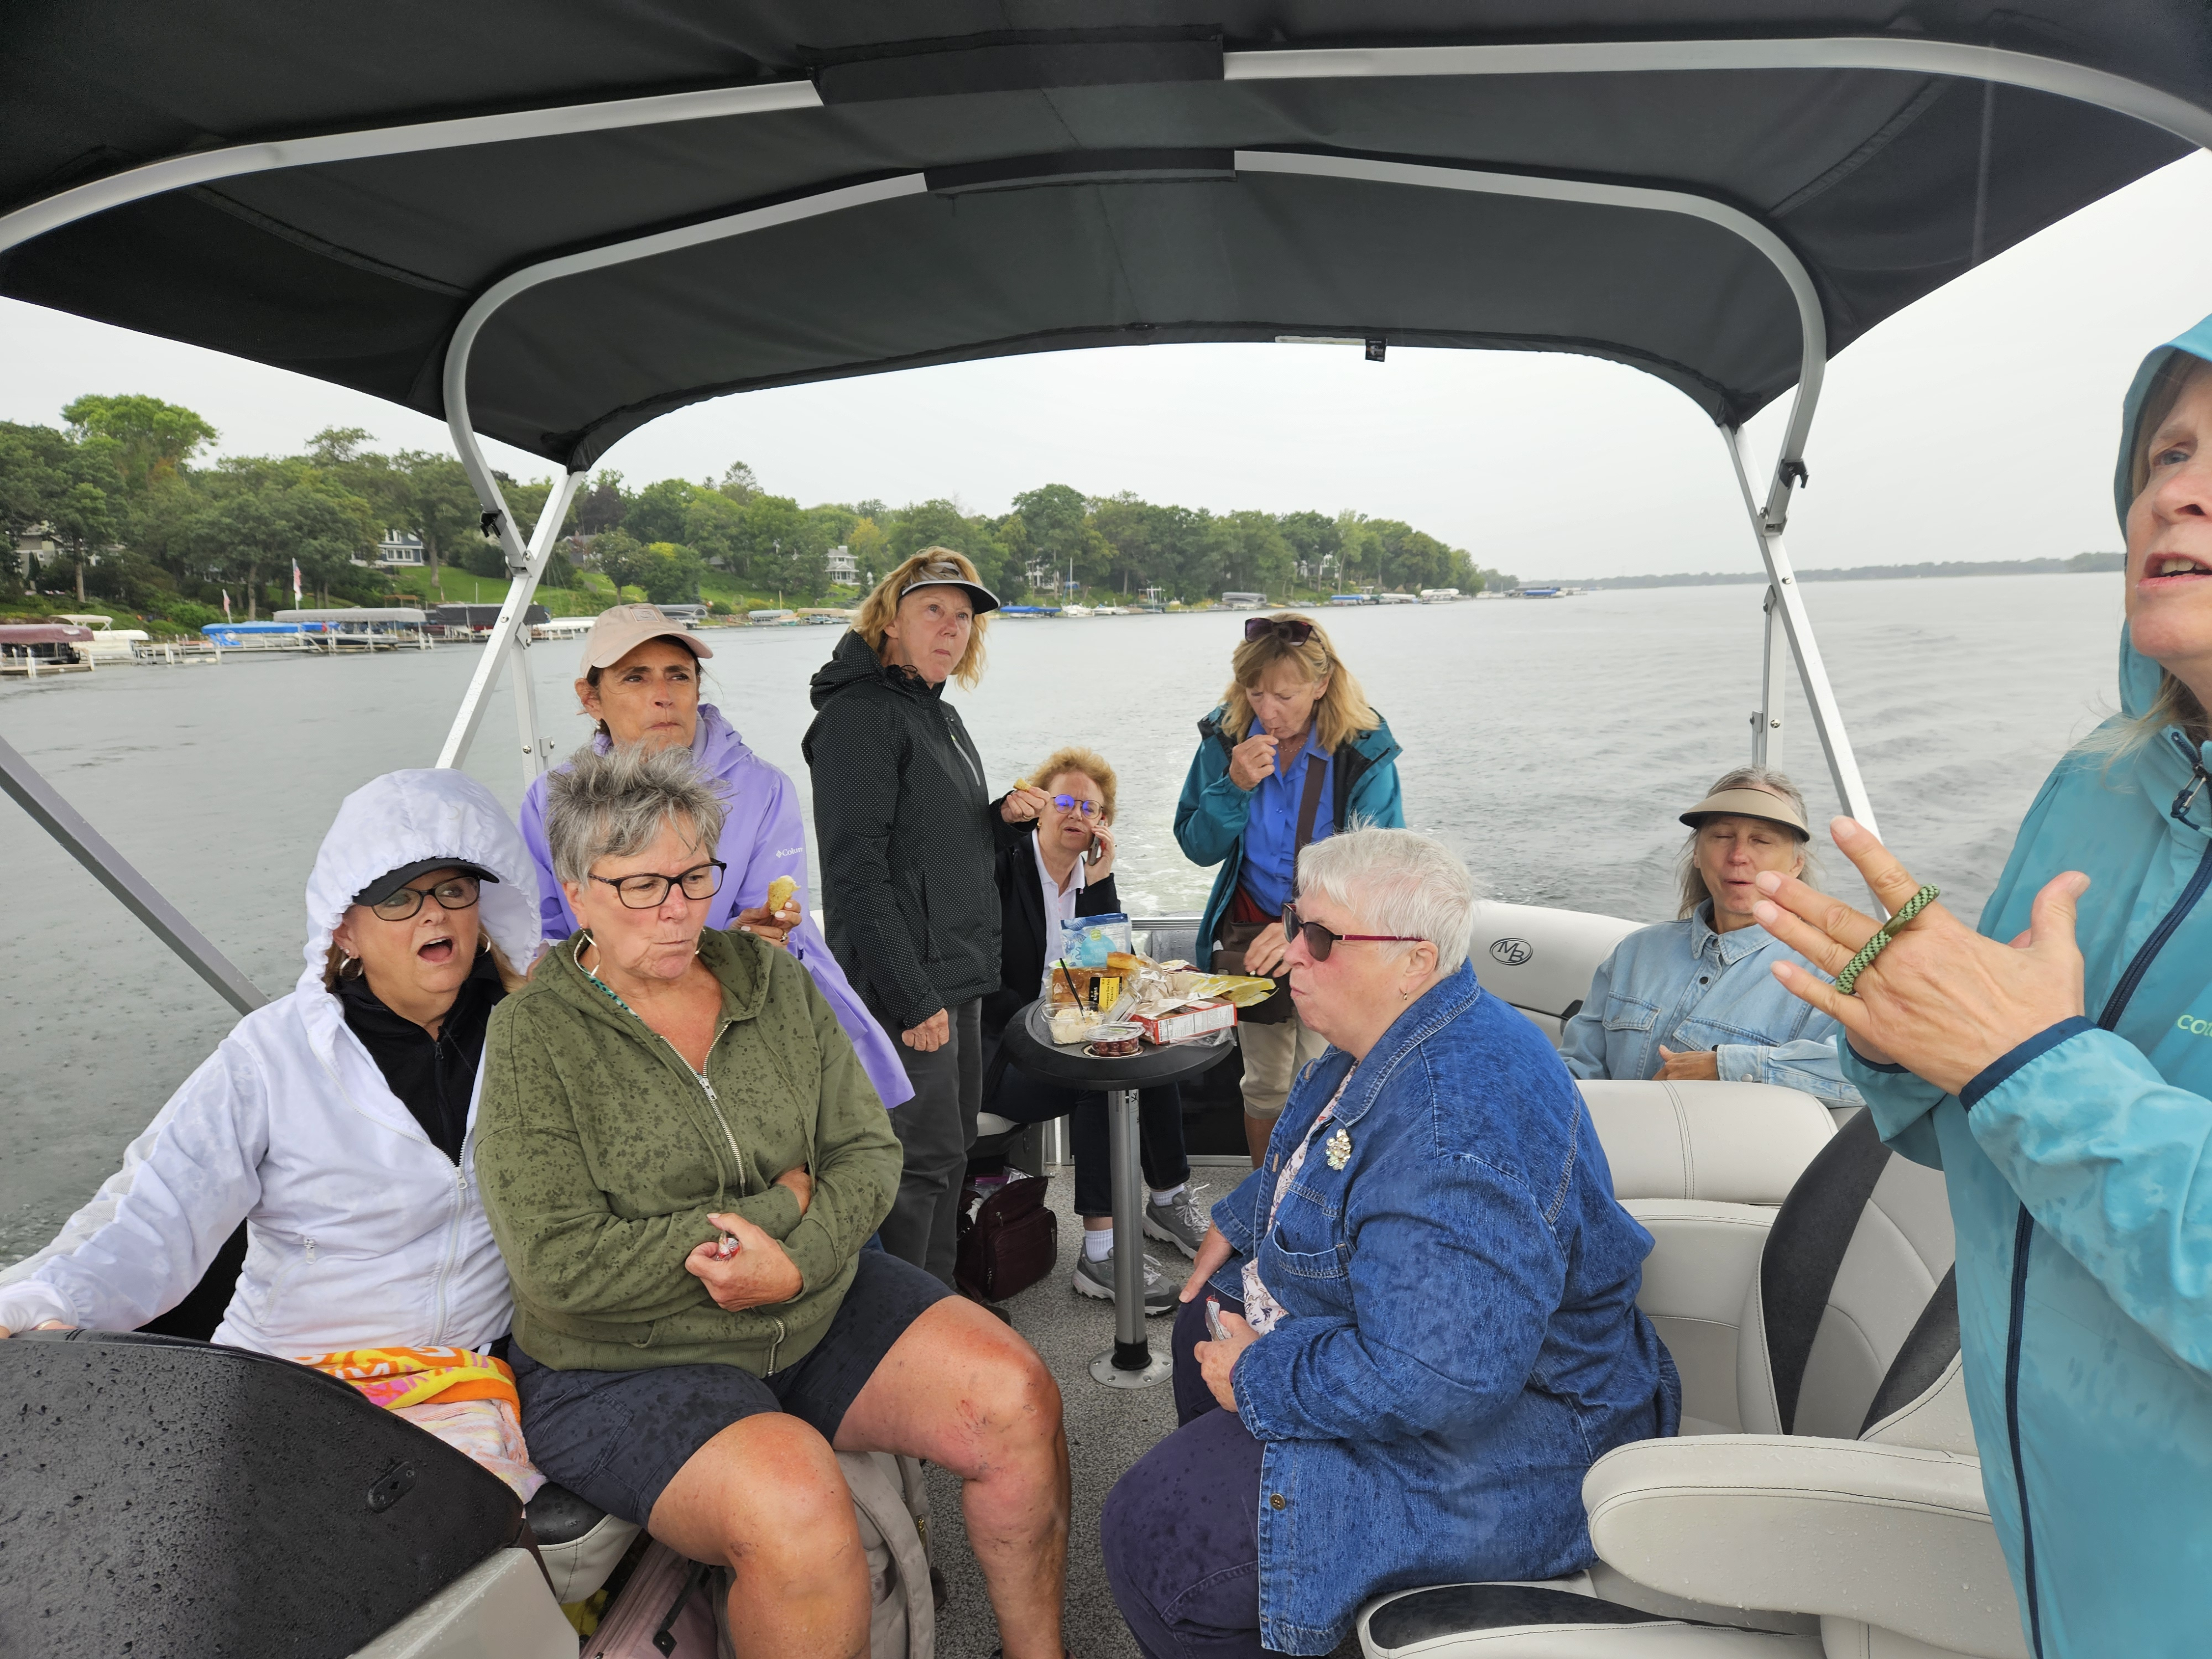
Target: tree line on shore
(134, 514)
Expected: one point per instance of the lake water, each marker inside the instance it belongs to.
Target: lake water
(1551, 743)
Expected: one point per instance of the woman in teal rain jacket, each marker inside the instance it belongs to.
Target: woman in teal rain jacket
(1293, 755)
(2062, 1079)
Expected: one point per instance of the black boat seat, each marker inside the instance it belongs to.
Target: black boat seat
(169, 1496)
(1841, 1515)
(579, 1542)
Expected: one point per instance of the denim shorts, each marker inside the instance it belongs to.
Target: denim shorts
(618, 1438)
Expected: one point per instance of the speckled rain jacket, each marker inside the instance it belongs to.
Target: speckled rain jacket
(601, 1154)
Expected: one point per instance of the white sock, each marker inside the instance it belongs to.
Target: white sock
(1097, 1243)
(1169, 1196)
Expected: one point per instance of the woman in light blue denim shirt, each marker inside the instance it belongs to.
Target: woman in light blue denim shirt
(1697, 998)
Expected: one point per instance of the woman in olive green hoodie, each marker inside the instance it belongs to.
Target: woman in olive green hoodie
(682, 1160)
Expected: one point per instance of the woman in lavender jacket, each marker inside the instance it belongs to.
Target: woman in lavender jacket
(639, 681)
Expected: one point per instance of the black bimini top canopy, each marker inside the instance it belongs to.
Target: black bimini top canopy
(582, 215)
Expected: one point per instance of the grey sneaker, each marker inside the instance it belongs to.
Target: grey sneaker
(1096, 1279)
(1182, 1223)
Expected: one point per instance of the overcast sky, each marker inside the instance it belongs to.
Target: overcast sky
(1979, 424)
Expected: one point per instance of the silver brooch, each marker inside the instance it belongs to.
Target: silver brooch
(1340, 1150)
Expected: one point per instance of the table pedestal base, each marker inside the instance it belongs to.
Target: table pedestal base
(1156, 1368)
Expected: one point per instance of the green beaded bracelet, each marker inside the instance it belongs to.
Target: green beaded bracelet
(1888, 931)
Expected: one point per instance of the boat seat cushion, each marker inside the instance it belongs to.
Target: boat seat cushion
(1852, 1260)
(1727, 1143)
(1504, 1621)
(579, 1542)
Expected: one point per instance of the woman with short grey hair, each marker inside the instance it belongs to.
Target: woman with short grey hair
(682, 1161)
(1695, 999)
(1392, 1299)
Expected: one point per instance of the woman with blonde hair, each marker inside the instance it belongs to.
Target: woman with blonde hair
(909, 834)
(1695, 998)
(1293, 755)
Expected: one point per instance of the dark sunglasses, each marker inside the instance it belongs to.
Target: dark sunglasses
(1320, 941)
(1075, 804)
(701, 881)
(1259, 627)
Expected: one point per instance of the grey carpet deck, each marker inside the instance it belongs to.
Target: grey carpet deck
(1108, 1430)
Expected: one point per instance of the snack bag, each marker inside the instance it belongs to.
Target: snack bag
(1088, 941)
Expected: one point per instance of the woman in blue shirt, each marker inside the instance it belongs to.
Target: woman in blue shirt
(1253, 799)
(1697, 998)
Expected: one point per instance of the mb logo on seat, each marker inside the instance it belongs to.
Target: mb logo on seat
(1513, 952)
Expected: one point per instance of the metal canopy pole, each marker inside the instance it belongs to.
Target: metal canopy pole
(526, 565)
(1766, 719)
(1812, 672)
(115, 873)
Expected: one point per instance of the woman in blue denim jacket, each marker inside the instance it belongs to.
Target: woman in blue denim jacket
(1425, 1297)
(1697, 998)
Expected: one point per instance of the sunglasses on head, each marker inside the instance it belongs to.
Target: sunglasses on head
(1259, 627)
(1320, 941)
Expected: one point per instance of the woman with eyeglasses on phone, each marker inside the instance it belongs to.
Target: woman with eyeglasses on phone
(1066, 871)
(1408, 1337)
(1292, 755)
(336, 1124)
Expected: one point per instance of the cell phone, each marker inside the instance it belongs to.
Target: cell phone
(1095, 852)
(1214, 1320)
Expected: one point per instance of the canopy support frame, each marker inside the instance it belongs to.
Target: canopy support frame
(1786, 599)
(52, 813)
(509, 635)
(1766, 727)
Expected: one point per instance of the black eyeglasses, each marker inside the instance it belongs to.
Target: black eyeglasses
(1320, 941)
(455, 893)
(1282, 627)
(1075, 804)
(701, 881)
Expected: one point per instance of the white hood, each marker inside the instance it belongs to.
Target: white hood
(404, 817)
(359, 1231)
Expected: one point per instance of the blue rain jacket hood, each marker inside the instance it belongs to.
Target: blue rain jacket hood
(2080, 1173)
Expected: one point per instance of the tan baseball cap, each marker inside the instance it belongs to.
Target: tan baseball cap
(618, 632)
(1748, 802)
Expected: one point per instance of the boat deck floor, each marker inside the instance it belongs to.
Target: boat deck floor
(1108, 1430)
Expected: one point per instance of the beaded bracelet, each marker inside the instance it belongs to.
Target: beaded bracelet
(1888, 931)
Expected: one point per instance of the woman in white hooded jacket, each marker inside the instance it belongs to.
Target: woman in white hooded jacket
(363, 1231)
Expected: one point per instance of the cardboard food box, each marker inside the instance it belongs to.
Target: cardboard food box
(1184, 1024)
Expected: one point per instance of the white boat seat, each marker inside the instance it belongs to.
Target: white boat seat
(1832, 1504)
(579, 1542)
(1730, 1143)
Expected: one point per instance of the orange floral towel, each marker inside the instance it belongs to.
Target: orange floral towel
(397, 1378)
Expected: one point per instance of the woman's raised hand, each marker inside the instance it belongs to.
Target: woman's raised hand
(755, 1275)
(1025, 803)
(1940, 1001)
(1104, 867)
(1250, 761)
(773, 926)
(1265, 954)
(1212, 1250)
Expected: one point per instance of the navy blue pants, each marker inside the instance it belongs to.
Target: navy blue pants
(1021, 1098)
(1181, 1531)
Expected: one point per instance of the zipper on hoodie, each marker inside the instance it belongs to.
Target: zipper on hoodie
(452, 1246)
(2023, 1237)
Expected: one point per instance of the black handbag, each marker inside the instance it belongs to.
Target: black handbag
(1006, 1242)
(1235, 937)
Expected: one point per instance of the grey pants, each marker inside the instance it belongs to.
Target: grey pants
(937, 1127)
